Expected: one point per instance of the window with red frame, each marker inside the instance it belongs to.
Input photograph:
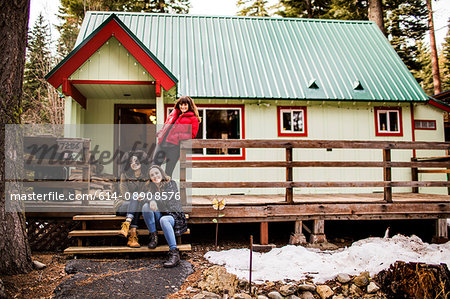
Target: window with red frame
(388, 121)
(219, 123)
(420, 124)
(292, 121)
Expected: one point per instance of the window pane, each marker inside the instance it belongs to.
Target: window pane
(393, 121)
(223, 124)
(287, 121)
(298, 121)
(383, 121)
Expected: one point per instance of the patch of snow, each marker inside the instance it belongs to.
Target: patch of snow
(297, 262)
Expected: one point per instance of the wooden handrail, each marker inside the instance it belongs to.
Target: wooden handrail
(262, 143)
(289, 145)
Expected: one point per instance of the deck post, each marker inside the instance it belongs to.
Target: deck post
(264, 233)
(183, 175)
(441, 231)
(86, 170)
(289, 176)
(414, 176)
(387, 174)
(297, 237)
(318, 232)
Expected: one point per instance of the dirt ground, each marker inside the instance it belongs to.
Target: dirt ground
(42, 283)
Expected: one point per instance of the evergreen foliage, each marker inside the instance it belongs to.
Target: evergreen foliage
(406, 24)
(303, 9)
(41, 103)
(424, 74)
(255, 8)
(347, 10)
(445, 68)
(38, 64)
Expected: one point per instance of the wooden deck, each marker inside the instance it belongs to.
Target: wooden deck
(256, 208)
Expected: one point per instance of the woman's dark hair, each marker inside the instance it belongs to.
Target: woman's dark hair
(192, 107)
(126, 159)
(165, 178)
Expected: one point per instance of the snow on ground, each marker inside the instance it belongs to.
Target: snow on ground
(297, 262)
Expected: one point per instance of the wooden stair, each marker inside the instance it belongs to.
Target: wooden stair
(109, 226)
(121, 249)
(111, 232)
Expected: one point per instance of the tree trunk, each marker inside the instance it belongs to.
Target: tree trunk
(376, 14)
(434, 56)
(14, 249)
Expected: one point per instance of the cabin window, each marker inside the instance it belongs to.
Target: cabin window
(420, 124)
(292, 121)
(219, 122)
(388, 121)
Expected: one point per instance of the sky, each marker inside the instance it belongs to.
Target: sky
(49, 9)
(297, 262)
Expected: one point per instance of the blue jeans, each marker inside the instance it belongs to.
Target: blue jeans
(166, 222)
(130, 209)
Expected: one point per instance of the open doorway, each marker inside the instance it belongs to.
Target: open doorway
(135, 128)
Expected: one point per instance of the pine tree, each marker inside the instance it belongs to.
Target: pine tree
(72, 14)
(424, 74)
(41, 103)
(255, 8)
(303, 8)
(346, 10)
(406, 24)
(37, 65)
(14, 249)
(445, 69)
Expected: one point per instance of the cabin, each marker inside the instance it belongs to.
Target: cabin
(290, 108)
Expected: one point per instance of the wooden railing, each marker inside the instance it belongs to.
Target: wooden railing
(289, 164)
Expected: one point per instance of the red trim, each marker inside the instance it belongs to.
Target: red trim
(439, 105)
(413, 127)
(113, 82)
(378, 133)
(110, 29)
(430, 120)
(212, 158)
(70, 90)
(305, 123)
(158, 88)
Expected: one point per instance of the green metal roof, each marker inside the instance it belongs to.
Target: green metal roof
(278, 58)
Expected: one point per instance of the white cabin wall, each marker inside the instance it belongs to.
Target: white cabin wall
(429, 112)
(325, 121)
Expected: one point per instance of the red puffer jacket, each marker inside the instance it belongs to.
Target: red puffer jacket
(185, 127)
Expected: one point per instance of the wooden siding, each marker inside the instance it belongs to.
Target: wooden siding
(112, 62)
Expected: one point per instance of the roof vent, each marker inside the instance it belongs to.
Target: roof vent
(312, 84)
(357, 85)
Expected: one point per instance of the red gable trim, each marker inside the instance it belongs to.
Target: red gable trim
(439, 105)
(88, 49)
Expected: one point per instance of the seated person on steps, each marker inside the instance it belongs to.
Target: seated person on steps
(164, 208)
(132, 182)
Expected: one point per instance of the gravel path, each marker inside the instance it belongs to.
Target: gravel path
(121, 279)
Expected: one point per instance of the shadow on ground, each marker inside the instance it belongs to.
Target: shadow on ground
(121, 279)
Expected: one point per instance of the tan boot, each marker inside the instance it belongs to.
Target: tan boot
(124, 229)
(133, 239)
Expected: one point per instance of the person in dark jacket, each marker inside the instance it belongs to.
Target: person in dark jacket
(133, 180)
(182, 123)
(164, 207)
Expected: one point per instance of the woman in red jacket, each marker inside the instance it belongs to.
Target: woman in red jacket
(182, 123)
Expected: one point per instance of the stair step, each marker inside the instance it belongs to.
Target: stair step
(103, 217)
(121, 249)
(111, 232)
